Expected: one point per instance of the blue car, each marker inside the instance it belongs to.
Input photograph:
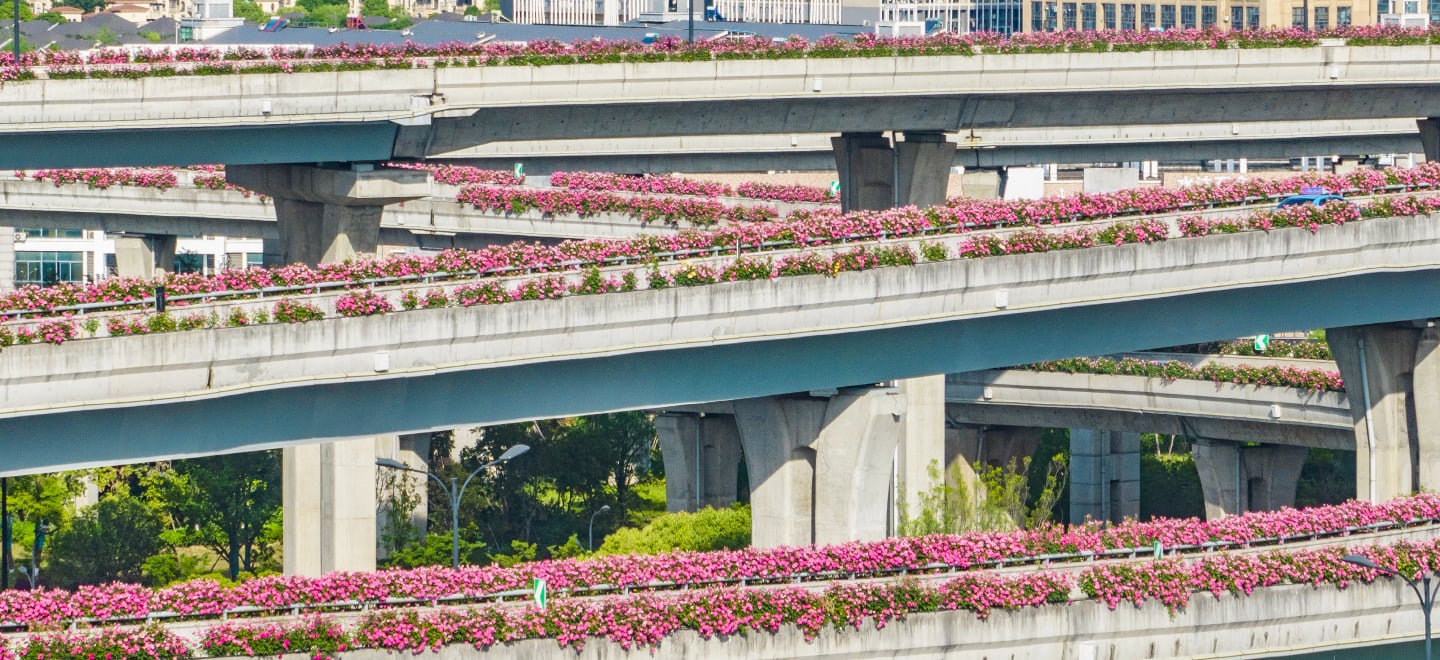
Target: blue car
(1317, 199)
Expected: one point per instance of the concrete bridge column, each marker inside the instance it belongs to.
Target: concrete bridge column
(329, 214)
(413, 450)
(1393, 401)
(141, 256)
(820, 468)
(1104, 475)
(1430, 137)
(329, 496)
(718, 441)
(922, 442)
(874, 175)
(983, 183)
(1237, 479)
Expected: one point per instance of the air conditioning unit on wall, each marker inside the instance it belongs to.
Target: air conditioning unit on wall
(20, 236)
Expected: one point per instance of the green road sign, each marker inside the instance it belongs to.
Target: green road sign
(1262, 342)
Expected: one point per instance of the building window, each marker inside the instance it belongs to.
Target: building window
(1087, 16)
(1297, 16)
(1322, 18)
(1252, 17)
(41, 232)
(47, 268)
(1037, 17)
(1147, 17)
(1127, 17)
(1069, 10)
(1109, 9)
(1342, 15)
(1187, 17)
(1050, 17)
(1167, 17)
(1237, 18)
(1208, 16)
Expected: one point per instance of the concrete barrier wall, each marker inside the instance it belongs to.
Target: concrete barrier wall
(1270, 622)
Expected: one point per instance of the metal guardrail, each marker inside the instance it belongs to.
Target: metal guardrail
(933, 568)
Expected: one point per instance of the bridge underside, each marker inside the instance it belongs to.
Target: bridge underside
(1142, 421)
(816, 160)
(358, 408)
(949, 113)
(184, 145)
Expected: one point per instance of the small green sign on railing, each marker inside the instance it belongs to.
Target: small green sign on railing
(541, 593)
(519, 170)
(834, 188)
(1262, 342)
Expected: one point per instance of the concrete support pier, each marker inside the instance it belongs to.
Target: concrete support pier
(1430, 137)
(413, 450)
(1104, 475)
(1237, 478)
(1392, 374)
(820, 467)
(329, 495)
(875, 175)
(922, 441)
(329, 215)
(717, 440)
(142, 256)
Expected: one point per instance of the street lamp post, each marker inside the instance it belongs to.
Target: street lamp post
(454, 493)
(1423, 591)
(602, 509)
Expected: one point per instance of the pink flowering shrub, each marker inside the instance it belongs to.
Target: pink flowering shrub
(586, 203)
(206, 598)
(289, 310)
(101, 178)
(121, 63)
(364, 302)
(145, 643)
(801, 230)
(1317, 380)
(644, 620)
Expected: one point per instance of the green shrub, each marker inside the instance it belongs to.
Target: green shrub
(707, 529)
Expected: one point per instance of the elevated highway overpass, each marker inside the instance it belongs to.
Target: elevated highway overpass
(263, 118)
(1137, 404)
(201, 392)
(986, 149)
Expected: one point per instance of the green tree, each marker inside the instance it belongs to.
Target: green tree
(107, 542)
(230, 504)
(105, 36)
(379, 8)
(52, 16)
(707, 529)
(41, 502)
(617, 444)
(472, 10)
(249, 10)
(7, 11)
(491, 5)
(999, 499)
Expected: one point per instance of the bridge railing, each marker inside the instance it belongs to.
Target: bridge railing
(931, 570)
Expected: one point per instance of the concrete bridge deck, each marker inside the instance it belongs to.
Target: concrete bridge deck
(1244, 413)
(204, 391)
(358, 115)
